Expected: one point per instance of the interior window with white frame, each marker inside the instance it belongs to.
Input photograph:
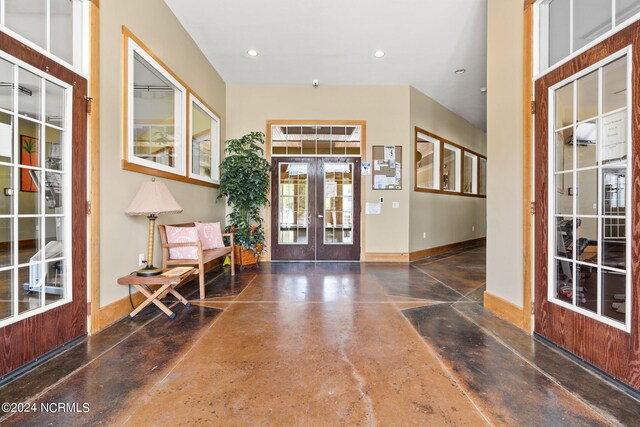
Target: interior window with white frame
(204, 132)
(451, 168)
(156, 114)
(470, 173)
(427, 161)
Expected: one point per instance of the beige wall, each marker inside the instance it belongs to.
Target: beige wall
(505, 153)
(386, 111)
(444, 218)
(391, 112)
(122, 238)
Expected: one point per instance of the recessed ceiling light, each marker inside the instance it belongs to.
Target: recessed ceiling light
(460, 71)
(252, 52)
(378, 54)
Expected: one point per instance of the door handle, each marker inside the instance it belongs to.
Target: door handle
(320, 216)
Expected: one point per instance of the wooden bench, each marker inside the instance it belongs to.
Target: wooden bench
(205, 259)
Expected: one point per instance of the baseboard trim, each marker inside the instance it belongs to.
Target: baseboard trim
(386, 257)
(111, 313)
(504, 309)
(423, 253)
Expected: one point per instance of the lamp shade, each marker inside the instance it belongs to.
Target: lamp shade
(153, 198)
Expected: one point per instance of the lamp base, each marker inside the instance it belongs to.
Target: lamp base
(149, 271)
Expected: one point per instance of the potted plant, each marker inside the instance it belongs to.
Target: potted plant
(244, 181)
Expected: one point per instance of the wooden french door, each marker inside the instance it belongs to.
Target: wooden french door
(587, 190)
(315, 208)
(43, 235)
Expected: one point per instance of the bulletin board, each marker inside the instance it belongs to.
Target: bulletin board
(386, 167)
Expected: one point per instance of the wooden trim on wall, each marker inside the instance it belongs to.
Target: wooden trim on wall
(386, 257)
(126, 165)
(117, 310)
(423, 253)
(527, 167)
(504, 309)
(94, 172)
(462, 151)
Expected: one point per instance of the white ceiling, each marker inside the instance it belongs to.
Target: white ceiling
(334, 41)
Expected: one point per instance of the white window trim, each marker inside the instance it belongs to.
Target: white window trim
(474, 173)
(479, 175)
(179, 108)
(81, 42)
(215, 142)
(67, 205)
(436, 161)
(551, 226)
(458, 174)
(539, 36)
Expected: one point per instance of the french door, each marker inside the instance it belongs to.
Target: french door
(587, 191)
(42, 205)
(315, 208)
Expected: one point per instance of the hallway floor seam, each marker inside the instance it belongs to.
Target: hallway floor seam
(181, 359)
(446, 369)
(489, 332)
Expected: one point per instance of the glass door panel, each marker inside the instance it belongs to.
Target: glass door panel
(33, 211)
(338, 203)
(293, 193)
(589, 160)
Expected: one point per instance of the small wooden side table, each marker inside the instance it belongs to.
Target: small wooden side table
(167, 285)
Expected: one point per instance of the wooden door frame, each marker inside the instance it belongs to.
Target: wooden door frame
(93, 197)
(574, 331)
(527, 168)
(19, 349)
(266, 256)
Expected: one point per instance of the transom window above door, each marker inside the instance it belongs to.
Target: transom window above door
(566, 27)
(315, 140)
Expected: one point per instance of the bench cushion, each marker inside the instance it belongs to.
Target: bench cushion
(210, 235)
(182, 235)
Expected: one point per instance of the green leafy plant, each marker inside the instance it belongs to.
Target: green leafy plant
(244, 181)
(29, 146)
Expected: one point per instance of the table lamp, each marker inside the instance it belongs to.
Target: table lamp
(152, 199)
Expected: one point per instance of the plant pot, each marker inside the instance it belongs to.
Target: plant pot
(245, 258)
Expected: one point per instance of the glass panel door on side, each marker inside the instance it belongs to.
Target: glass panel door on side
(293, 212)
(338, 203)
(590, 196)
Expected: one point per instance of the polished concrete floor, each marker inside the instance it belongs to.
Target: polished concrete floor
(323, 344)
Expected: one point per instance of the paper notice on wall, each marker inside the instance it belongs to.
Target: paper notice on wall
(379, 182)
(398, 173)
(614, 136)
(377, 164)
(390, 155)
(372, 208)
(365, 169)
